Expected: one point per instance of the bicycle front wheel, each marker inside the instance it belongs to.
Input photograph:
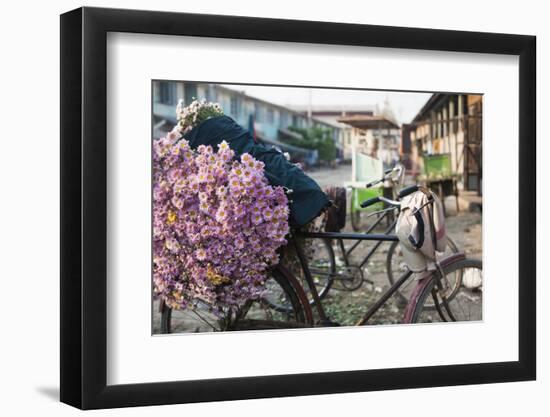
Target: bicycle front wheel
(395, 266)
(466, 304)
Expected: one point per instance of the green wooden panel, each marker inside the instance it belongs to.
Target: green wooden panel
(359, 195)
(437, 166)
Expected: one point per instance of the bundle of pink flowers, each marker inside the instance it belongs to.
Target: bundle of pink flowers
(217, 225)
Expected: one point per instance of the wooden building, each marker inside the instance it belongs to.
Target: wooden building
(448, 124)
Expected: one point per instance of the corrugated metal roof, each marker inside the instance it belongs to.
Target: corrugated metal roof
(369, 122)
(430, 104)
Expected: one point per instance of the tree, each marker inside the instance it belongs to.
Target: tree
(315, 138)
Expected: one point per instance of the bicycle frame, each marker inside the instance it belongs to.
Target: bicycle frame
(347, 236)
(346, 254)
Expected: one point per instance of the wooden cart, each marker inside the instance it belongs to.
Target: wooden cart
(438, 176)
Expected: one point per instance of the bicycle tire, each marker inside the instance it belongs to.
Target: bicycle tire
(322, 290)
(296, 315)
(355, 217)
(402, 296)
(416, 311)
(331, 272)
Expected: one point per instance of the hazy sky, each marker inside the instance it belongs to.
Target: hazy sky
(404, 105)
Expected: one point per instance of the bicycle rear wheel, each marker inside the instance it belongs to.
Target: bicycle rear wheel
(466, 305)
(254, 315)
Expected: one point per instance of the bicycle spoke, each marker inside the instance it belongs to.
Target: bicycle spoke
(194, 311)
(466, 305)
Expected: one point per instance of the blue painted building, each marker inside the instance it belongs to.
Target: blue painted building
(270, 121)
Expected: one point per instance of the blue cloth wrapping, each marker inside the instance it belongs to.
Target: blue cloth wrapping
(307, 198)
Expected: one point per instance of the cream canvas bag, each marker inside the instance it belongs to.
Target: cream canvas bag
(421, 229)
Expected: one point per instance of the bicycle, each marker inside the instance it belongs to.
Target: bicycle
(300, 315)
(326, 270)
(392, 180)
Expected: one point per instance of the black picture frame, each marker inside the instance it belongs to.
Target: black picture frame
(84, 207)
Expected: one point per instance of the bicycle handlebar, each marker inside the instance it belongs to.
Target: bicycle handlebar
(379, 199)
(402, 193)
(407, 190)
(387, 174)
(370, 202)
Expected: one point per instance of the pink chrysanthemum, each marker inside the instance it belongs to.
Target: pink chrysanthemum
(217, 225)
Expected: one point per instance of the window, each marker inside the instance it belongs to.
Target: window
(156, 92)
(235, 106)
(167, 92)
(270, 116)
(453, 125)
(190, 92)
(209, 94)
(258, 113)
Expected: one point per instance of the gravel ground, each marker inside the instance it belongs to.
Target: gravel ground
(347, 307)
